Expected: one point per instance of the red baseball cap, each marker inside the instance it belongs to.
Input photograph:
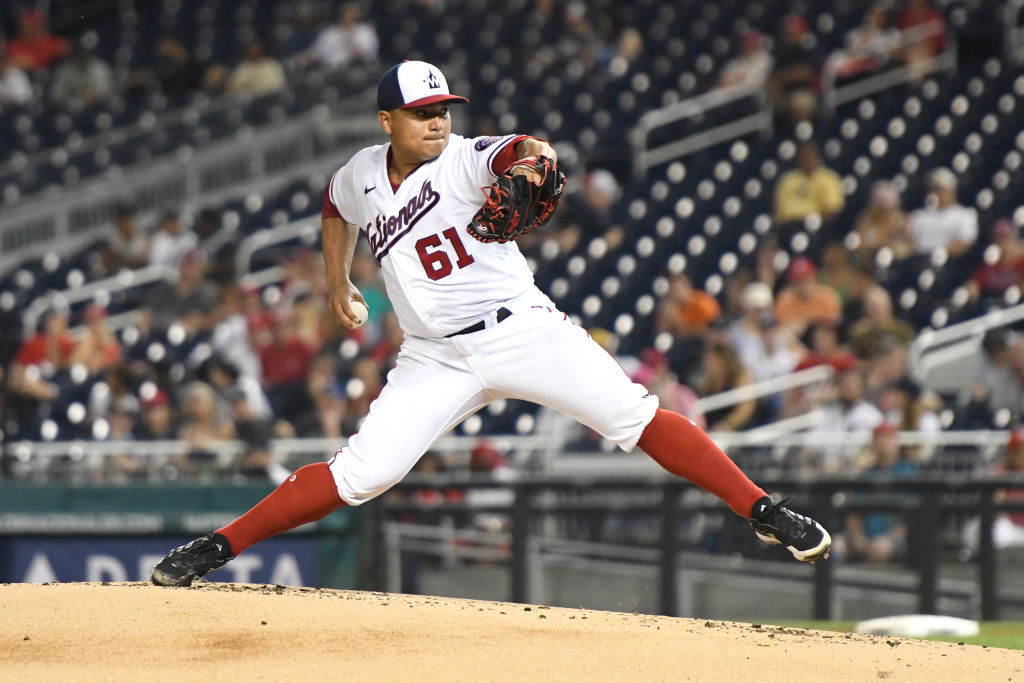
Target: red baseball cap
(885, 427)
(801, 269)
(413, 84)
(159, 398)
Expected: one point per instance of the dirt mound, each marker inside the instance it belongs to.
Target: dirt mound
(135, 631)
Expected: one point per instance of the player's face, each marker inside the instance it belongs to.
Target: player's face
(418, 134)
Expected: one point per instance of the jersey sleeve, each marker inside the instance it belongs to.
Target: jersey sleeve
(486, 158)
(338, 202)
(329, 209)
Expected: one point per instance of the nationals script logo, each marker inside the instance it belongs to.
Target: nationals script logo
(385, 231)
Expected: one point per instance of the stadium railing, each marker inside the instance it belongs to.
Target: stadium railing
(311, 143)
(936, 353)
(834, 95)
(541, 508)
(644, 157)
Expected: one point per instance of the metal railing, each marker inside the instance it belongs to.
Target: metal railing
(645, 157)
(833, 95)
(250, 159)
(933, 349)
(98, 289)
(541, 506)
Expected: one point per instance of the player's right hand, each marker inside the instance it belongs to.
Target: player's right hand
(340, 298)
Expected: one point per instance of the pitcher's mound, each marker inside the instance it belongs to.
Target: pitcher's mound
(223, 632)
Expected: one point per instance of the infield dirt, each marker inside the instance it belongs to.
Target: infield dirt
(218, 632)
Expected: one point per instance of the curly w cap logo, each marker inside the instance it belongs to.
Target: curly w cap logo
(432, 81)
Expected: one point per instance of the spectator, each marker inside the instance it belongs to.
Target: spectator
(851, 411)
(350, 41)
(751, 67)
(49, 349)
(722, 371)
(793, 81)
(590, 213)
(327, 394)
(286, 361)
(304, 32)
(225, 380)
(98, 349)
(34, 48)
(1008, 529)
(886, 365)
(804, 301)
(15, 87)
(158, 419)
(879, 537)
(203, 423)
(83, 80)
(174, 72)
(928, 26)
(861, 281)
(998, 383)
(487, 462)
(628, 48)
(231, 340)
(385, 351)
(882, 223)
(825, 349)
(170, 242)
(364, 386)
(909, 408)
(811, 188)
(767, 349)
(878, 323)
(993, 277)
(129, 248)
(191, 301)
(257, 462)
(686, 312)
(943, 223)
(365, 276)
(654, 373)
(869, 47)
(219, 243)
(836, 270)
(258, 74)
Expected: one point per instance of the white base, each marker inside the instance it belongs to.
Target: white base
(918, 626)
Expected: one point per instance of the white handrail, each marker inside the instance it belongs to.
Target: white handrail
(975, 328)
(644, 158)
(767, 387)
(268, 236)
(121, 281)
(833, 96)
(183, 178)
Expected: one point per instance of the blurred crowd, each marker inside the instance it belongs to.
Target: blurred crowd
(209, 356)
(66, 71)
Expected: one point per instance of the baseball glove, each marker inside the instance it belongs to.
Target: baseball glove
(514, 206)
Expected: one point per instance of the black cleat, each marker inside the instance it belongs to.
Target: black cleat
(192, 561)
(776, 524)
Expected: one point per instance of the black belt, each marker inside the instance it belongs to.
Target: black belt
(476, 327)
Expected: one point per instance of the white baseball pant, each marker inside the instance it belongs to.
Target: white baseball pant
(536, 354)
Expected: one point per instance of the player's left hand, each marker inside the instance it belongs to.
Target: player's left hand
(522, 199)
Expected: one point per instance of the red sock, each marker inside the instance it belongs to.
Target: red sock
(686, 451)
(306, 496)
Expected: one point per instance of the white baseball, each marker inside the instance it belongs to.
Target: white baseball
(359, 311)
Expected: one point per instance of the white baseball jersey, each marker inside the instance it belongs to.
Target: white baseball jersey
(439, 279)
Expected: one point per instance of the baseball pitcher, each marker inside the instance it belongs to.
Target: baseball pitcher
(441, 213)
